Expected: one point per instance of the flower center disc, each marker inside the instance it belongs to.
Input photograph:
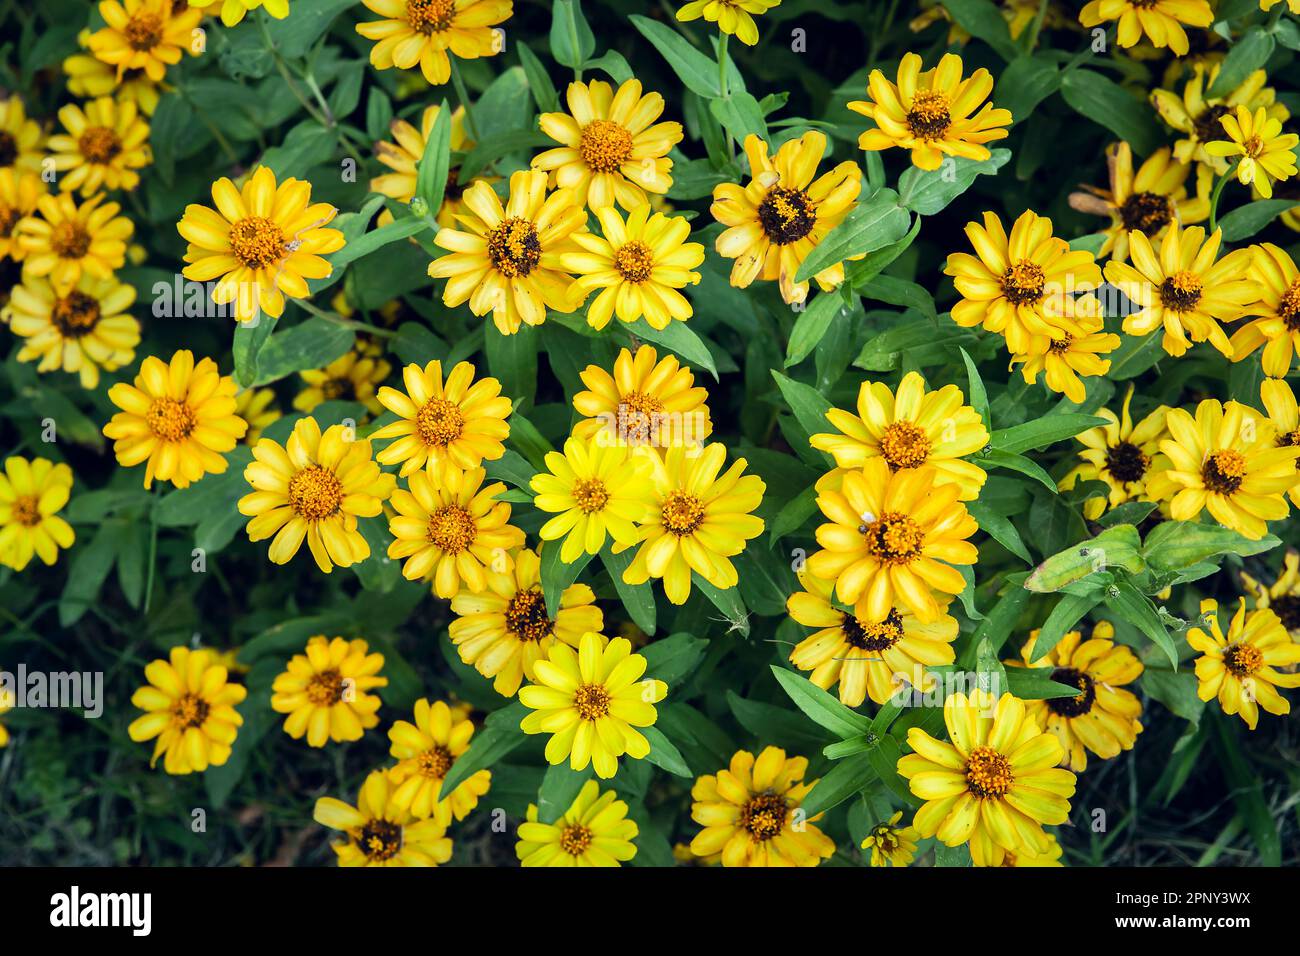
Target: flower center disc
(591, 701)
(604, 145)
(26, 510)
(70, 240)
(75, 315)
(682, 513)
(1073, 706)
(1023, 283)
(435, 763)
(591, 495)
(325, 689)
(99, 144)
(514, 248)
(764, 816)
(190, 710)
(1224, 471)
(526, 616)
(380, 840)
(170, 420)
(315, 493)
(928, 117)
(439, 422)
(452, 529)
(430, 16)
(1126, 462)
(257, 242)
(893, 538)
(1243, 659)
(634, 261)
(637, 416)
(144, 31)
(1146, 212)
(873, 635)
(575, 839)
(904, 445)
(1180, 292)
(1288, 309)
(786, 215)
(988, 773)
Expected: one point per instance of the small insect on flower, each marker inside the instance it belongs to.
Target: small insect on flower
(380, 833)
(1240, 668)
(426, 751)
(326, 691)
(31, 495)
(593, 831)
(190, 708)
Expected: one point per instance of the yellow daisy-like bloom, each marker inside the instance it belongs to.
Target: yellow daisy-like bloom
(1161, 20)
(612, 150)
(453, 531)
(594, 831)
(22, 141)
(325, 691)
(233, 11)
(178, 416)
(190, 707)
(424, 32)
(593, 488)
(378, 831)
(1103, 718)
(995, 785)
(352, 377)
(1064, 360)
(1282, 597)
(891, 540)
(1196, 115)
(1148, 200)
(929, 112)
(19, 193)
(89, 77)
(748, 809)
(1120, 454)
(1051, 857)
(781, 216)
(637, 265)
(1277, 306)
(257, 407)
(147, 35)
(31, 495)
(507, 260)
(403, 157)
(735, 17)
(1266, 152)
(425, 751)
(262, 242)
(909, 428)
(698, 520)
(314, 486)
(504, 629)
(1240, 668)
(646, 401)
(1225, 460)
(104, 146)
(459, 423)
(1184, 289)
(865, 657)
(1022, 286)
(591, 700)
(81, 332)
(61, 240)
(1280, 402)
(890, 844)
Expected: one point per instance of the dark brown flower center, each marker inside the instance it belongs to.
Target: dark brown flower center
(786, 215)
(1126, 462)
(893, 538)
(764, 816)
(380, 840)
(526, 616)
(144, 31)
(604, 145)
(1181, 292)
(70, 240)
(929, 116)
(1288, 308)
(1023, 283)
(1224, 471)
(1073, 706)
(1146, 212)
(988, 773)
(8, 148)
(257, 242)
(514, 248)
(1287, 608)
(1207, 125)
(99, 144)
(873, 635)
(75, 315)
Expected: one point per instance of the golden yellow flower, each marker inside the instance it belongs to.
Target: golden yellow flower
(890, 844)
(31, 495)
(1266, 152)
(1280, 402)
(1277, 307)
(1225, 460)
(734, 17)
(147, 35)
(1282, 597)
(748, 812)
(178, 416)
(426, 751)
(453, 531)
(507, 260)
(782, 215)
(352, 377)
(1051, 857)
(593, 831)
(377, 831)
(1196, 115)
(1161, 20)
(233, 11)
(1184, 289)
(646, 401)
(424, 32)
(325, 691)
(262, 242)
(104, 146)
(257, 407)
(22, 141)
(1240, 668)
(1022, 286)
(190, 707)
(1064, 360)
(611, 149)
(62, 239)
(637, 265)
(504, 629)
(591, 701)
(89, 77)
(403, 157)
(19, 193)
(929, 112)
(1119, 453)
(459, 423)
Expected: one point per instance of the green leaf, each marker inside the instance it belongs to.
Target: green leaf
(1248, 53)
(431, 170)
(678, 338)
(874, 224)
(312, 343)
(614, 64)
(87, 572)
(698, 72)
(560, 787)
(376, 239)
(1176, 690)
(673, 658)
(929, 192)
(1119, 546)
(295, 34)
(740, 115)
(491, 744)
(572, 41)
(1136, 608)
(1112, 107)
(1173, 545)
(663, 754)
(1068, 612)
(820, 706)
(976, 393)
(983, 19)
(734, 613)
(306, 145)
(249, 339)
(1245, 221)
(1042, 432)
(999, 528)
(808, 405)
(900, 292)
(513, 360)
(793, 514)
(1026, 82)
(997, 625)
(811, 325)
(846, 779)
(638, 599)
(556, 575)
(1035, 683)
(776, 724)
(1246, 787)
(539, 81)
(993, 458)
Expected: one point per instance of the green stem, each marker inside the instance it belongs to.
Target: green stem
(463, 96)
(1214, 196)
(153, 550)
(1037, 25)
(722, 64)
(344, 321)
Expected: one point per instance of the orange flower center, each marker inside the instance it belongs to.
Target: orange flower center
(144, 31)
(604, 145)
(575, 839)
(637, 414)
(786, 215)
(75, 315)
(8, 217)
(928, 117)
(257, 242)
(70, 240)
(873, 635)
(451, 529)
(988, 773)
(1224, 471)
(99, 144)
(325, 689)
(1288, 309)
(380, 840)
(893, 538)
(439, 422)
(435, 763)
(1243, 659)
(1023, 283)
(170, 420)
(315, 493)
(682, 513)
(904, 445)
(591, 701)
(430, 16)
(26, 510)
(190, 710)
(764, 816)
(1180, 292)
(526, 616)
(634, 261)
(590, 494)
(514, 248)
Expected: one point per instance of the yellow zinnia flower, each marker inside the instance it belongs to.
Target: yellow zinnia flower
(909, 428)
(891, 540)
(646, 401)
(1197, 116)
(352, 377)
(19, 193)
(233, 11)
(378, 832)
(1161, 20)
(507, 260)
(1277, 306)
(426, 751)
(81, 332)
(735, 17)
(890, 844)
(31, 495)
(929, 112)
(1280, 402)
(638, 265)
(325, 691)
(504, 629)
(591, 701)
(1225, 460)
(748, 811)
(62, 239)
(256, 406)
(1022, 286)
(179, 416)
(457, 424)
(262, 242)
(1103, 718)
(453, 531)
(404, 155)
(1064, 360)
(1266, 152)
(190, 707)
(994, 785)
(104, 146)
(89, 76)
(593, 488)
(698, 520)
(22, 140)
(146, 35)
(781, 216)
(1184, 289)
(875, 658)
(593, 831)
(424, 32)
(1120, 454)
(1282, 597)
(1240, 668)
(612, 150)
